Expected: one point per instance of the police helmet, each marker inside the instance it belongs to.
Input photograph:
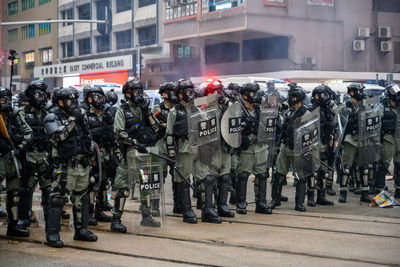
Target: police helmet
(5, 99)
(296, 94)
(96, 97)
(69, 97)
(392, 91)
(36, 93)
(357, 89)
(322, 94)
(111, 97)
(168, 88)
(186, 88)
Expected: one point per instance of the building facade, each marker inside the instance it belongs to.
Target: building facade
(213, 37)
(36, 44)
(132, 36)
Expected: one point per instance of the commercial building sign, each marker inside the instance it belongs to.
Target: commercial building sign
(329, 3)
(86, 66)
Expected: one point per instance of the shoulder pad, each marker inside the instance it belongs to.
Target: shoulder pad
(50, 123)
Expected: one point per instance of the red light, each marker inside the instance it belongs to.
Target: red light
(209, 80)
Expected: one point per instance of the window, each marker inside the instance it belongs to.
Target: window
(27, 4)
(84, 46)
(183, 51)
(28, 31)
(12, 8)
(222, 52)
(143, 3)
(103, 43)
(174, 10)
(67, 49)
(396, 52)
(67, 14)
(386, 6)
(84, 11)
(47, 56)
(124, 39)
(123, 5)
(275, 2)
(29, 59)
(13, 35)
(41, 2)
(44, 28)
(147, 35)
(265, 48)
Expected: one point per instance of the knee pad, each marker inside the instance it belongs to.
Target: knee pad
(13, 197)
(57, 202)
(346, 170)
(225, 179)
(262, 176)
(123, 192)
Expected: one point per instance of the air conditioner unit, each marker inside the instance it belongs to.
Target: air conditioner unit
(308, 60)
(358, 45)
(386, 46)
(384, 32)
(363, 32)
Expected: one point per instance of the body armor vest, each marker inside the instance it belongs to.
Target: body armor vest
(15, 133)
(78, 141)
(389, 118)
(288, 126)
(181, 123)
(352, 124)
(102, 131)
(327, 124)
(137, 129)
(40, 139)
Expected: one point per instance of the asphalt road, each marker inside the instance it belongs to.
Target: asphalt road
(350, 234)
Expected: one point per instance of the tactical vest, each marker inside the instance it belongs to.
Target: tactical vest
(14, 131)
(252, 122)
(40, 139)
(288, 126)
(102, 131)
(389, 118)
(181, 123)
(352, 124)
(78, 141)
(327, 124)
(137, 129)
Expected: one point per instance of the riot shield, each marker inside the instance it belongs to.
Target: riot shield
(307, 144)
(147, 171)
(267, 126)
(369, 127)
(231, 129)
(203, 120)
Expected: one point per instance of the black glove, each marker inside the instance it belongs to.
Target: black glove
(78, 114)
(114, 161)
(140, 147)
(144, 103)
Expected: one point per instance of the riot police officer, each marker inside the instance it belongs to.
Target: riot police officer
(178, 146)
(132, 128)
(322, 99)
(253, 156)
(390, 138)
(101, 124)
(23, 100)
(351, 142)
(286, 154)
(15, 134)
(36, 152)
(71, 155)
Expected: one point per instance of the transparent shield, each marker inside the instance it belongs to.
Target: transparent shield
(307, 144)
(231, 129)
(147, 172)
(369, 139)
(203, 120)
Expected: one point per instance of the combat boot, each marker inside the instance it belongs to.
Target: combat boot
(102, 217)
(261, 200)
(23, 208)
(364, 196)
(208, 213)
(223, 208)
(232, 198)
(351, 185)
(119, 203)
(343, 196)
(184, 193)
(241, 191)
(300, 195)
(56, 205)
(65, 215)
(155, 207)
(321, 199)
(100, 207)
(310, 198)
(46, 201)
(397, 193)
(177, 203)
(275, 189)
(13, 229)
(329, 190)
(148, 221)
(82, 232)
(107, 206)
(91, 219)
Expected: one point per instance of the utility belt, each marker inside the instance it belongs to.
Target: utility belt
(84, 161)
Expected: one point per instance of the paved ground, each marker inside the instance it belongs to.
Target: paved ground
(350, 234)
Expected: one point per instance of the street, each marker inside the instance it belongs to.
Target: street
(350, 234)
